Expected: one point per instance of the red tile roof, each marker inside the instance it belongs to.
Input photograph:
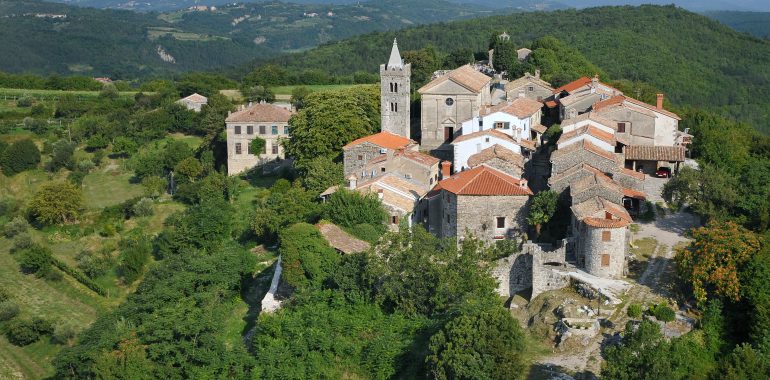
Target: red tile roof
(574, 85)
(260, 112)
(496, 151)
(586, 145)
(590, 212)
(383, 139)
(655, 153)
(420, 158)
(591, 130)
(483, 180)
(631, 173)
(539, 128)
(519, 107)
(490, 132)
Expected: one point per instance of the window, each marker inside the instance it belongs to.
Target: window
(238, 148)
(481, 122)
(248, 148)
(621, 127)
(431, 181)
(391, 87)
(606, 236)
(250, 129)
(262, 130)
(286, 130)
(382, 169)
(274, 130)
(237, 129)
(501, 125)
(449, 101)
(275, 148)
(394, 107)
(360, 157)
(605, 260)
(394, 219)
(500, 222)
(531, 88)
(448, 134)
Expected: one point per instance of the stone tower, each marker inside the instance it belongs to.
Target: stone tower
(395, 94)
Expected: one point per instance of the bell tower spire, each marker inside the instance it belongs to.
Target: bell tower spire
(395, 94)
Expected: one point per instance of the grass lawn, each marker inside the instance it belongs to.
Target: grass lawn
(193, 141)
(23, 185)
(102, 189)
(286, 90)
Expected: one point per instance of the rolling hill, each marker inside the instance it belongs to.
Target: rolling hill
(45, 38)
(754, 23)
(693, 59)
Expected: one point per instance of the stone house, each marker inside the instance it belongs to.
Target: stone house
(640, 123)
(409, 164)
(589, 118)
(515, 117)
(603, 186)
(395, 94)
(531, 86)
(446, 102)
(600, 228)
(584, 152)
(595, 135)
(358, 153)
(468, 145)
(579, 96)
(484, 202)
(194, 102)
(263, 120)
(398, 195)
(500, 158)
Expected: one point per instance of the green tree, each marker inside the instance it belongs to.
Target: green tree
(307, 258)
(321, 173)
(485, 344)
(505, 57)
(349, 208)
(20, 156)
(284, 205)
(298, 95)
(268, 75)
(135, 252)
(258, 146)
(189, 168)
(424, 63)
(62, 156)
(124, 146)
(542, 209)
(57, 203)
(96, 142)
(154, 186)
(257, 94)
(36, 259)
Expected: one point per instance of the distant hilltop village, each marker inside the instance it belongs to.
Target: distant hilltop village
(481, 156)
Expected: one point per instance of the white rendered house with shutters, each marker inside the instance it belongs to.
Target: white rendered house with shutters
(266, 121)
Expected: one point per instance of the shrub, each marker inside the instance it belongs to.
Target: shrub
(154, 186)
(64, 333)
(93, 264)
(97, 142)
(42, 326)
(76, 178)
(85, 166)
(56, 203)
(366, 232)
(308, 259)
(8, 206)
(662, 312)
(25, 101)
(21, 242)
(16, 226)
(8, 310)
(135, 251)
(634, 311)
(97, 157)
(35, 259)
(22, 332)
(349, 208)
(20, 156)
(144, 207)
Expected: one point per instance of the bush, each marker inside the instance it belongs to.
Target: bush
(42, 326)
(64, 333)
(97, 157)
(144, 207)
(154, 186)
(8, 310)
(662, 312)
(35, 259)
(20, 156)
(366, 232)
(85, 166)
(16, 226)
(634, 311)
(62, 156)
(8, 206)
(21, 242)
(308, 259)
(134, 253)
(25, 101)
(56, 203)
(76, 178)
(349, 208)
(93, 264)
(22, 332)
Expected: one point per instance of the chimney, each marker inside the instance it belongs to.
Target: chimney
(537, 73)
(521, 94)
(446, 169)
(380, 194)
(595, 80)
(352, 182)
(660, 101)
(250, 104)
(518, 135)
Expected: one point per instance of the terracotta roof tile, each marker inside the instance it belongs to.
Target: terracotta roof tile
(622, 99)
(496, 151)
(592, 116)
(539, 128)
(483, 180)
(586, 145)
(397, 192)
(574, 85)
(490, 132)
(592, 212)
(341, 240)
(591, 130)
(383, 139)
(655, 153)
(631, 193)
(418, 157)
(260, 112)
(196, 98)
(465, 76)
(631, 173)
(526, 79)
(519, 107)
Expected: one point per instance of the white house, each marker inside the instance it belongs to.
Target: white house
(516, 117)
(194, 102)
(468, 145)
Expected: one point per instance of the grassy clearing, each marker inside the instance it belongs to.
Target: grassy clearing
(23, 185)
(16, 92)
(192, 141)
(286, 90)
(102, 189)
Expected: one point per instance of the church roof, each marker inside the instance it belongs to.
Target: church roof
(395, 57)
(465, 76)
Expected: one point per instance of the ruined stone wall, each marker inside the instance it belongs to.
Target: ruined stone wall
(545, 266)
(513, 274)
(595, 248)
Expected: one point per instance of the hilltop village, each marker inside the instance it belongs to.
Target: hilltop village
(482, 156)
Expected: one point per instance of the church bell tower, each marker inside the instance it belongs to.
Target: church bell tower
(395, 94)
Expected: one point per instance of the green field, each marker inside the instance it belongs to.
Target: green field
(286, 90)
(6, 93)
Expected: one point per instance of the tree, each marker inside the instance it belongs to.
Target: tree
(56, 203)
(485, 344)
(124, 146)
(258, 146)
(542, 209)
(22, 332)
(268, 75)
(349, 208)
(321, 173)
(62, 156)
(298, 95)
(154, 186)
(20, 156)
(711, 264)
(96, 142)
(284, 205)
(505, 57)
(307, 258)
(424, 63)
(135, 252)
(257, 94)
(36, 259)
(457, 58)
(189, 168)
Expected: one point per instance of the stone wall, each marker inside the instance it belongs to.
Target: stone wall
(545, 267)
(628, 181)
(597, 190)
(436, 115)
(640, 127)
(356, 157)
(505, 166)
(513, 274)
(538, 92)
(594, 248)
(477, 215)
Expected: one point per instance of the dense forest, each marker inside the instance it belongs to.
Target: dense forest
(754, 23)
(126, 45)
(694, 60)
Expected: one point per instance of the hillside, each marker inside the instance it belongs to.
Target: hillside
(46, 38)
(754, 23)
(693, 59)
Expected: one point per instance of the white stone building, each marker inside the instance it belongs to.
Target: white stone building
(266, 121)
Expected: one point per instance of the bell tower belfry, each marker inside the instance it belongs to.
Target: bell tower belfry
(395, 94)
